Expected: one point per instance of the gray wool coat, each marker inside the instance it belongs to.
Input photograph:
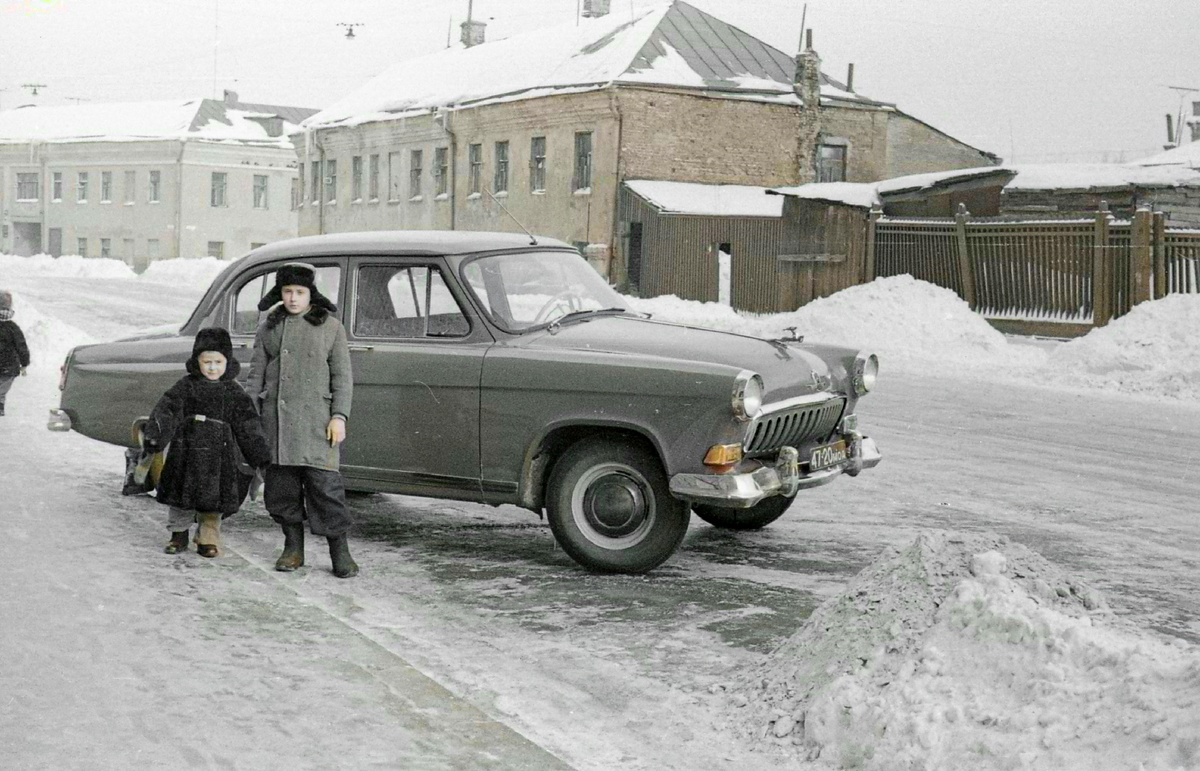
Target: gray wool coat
(300, 377)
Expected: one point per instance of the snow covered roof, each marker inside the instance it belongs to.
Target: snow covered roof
(708, 200)
(1185, 155)
(671, 44)
(860, 194)
(199, 119)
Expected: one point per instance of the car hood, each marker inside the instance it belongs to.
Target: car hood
(787, 369)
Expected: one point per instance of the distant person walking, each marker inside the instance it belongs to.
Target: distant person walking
(205, 417)
(14, 353)
(300, 375)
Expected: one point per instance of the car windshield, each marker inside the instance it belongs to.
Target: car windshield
(526, 290)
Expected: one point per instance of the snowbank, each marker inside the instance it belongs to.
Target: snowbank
(198, 271)
(1154, 350)
(968, 651)
(49, 340)
(912, 325)
(67, 265)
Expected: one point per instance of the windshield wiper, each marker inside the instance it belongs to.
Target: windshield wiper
(584, 314)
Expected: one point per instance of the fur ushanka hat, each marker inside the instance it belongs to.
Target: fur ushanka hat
(213, 339)
(299, 274)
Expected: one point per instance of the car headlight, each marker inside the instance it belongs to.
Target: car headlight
(747, 395)
(866, 369)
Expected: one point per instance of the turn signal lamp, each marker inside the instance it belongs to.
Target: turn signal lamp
(723, 455)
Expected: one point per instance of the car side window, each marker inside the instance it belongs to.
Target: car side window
(246, 316)
(411, 301)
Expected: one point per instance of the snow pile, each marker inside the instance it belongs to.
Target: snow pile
(912, 325)
(66, 266)
(49, 339)
(198, 271)
(1154, 350)
(968, 651)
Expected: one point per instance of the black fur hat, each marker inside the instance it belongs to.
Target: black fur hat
(213, 339)
(298, 274)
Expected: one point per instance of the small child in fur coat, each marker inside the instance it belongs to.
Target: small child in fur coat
(205, 417)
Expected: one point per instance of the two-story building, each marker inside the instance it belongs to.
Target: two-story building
(543, 130)
(147, 181)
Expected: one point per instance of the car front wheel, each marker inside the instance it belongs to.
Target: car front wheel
(611, 509)
(756, 517)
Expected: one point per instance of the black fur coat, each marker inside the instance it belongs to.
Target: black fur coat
(201, 472)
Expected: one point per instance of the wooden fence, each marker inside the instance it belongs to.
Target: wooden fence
(1059, 277)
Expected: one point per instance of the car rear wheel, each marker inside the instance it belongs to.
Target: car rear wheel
(756, 517)
(611, 509)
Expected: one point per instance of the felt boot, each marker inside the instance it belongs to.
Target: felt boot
(208, 537)
(178, 542)
(293, 548)
(344, 565)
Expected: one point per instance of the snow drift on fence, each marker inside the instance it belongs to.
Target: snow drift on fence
(972, 652)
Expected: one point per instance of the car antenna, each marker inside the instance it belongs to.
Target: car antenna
(532, 240)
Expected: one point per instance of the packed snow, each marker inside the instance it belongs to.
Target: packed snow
(969, 651)
(708, 200)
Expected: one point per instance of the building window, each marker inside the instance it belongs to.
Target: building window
(297, 193)
(105, 248)
(81, 187)
(831, 162)
(316, 182)
(373, 179)
(356, 180)
(394, 172)
(537, 164)
(441, 170)
(331, 182)
(582, 179)
(152, 249)
(105, 187)
(217, 191)
(56, 189)
(155, 186)
(414, 174)
(130, 186)
(257, 245)
(216, 249)
(475, 159)
(500, 178)
(260, 191)
(81, 246)
(27, 186)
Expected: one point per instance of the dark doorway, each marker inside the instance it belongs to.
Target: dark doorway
(55, 236)
(635, 255)
(27, 238)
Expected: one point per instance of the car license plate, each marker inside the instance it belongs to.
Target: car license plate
(828, 455)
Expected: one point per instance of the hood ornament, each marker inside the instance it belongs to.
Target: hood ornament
(820, 382)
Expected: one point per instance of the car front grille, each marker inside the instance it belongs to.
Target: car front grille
(793, 427)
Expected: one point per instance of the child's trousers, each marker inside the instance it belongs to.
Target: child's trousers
(210, 524)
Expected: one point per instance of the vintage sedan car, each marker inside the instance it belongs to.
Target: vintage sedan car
(502, 368)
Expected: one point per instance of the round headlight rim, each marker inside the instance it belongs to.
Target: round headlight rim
(866, 372)
(747, 395)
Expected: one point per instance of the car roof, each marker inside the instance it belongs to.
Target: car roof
(421, 242)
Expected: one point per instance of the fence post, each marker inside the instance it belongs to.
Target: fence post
(869, 267)
(1158, 241)
(1141, 275)
(1102, 260)
(966, 275)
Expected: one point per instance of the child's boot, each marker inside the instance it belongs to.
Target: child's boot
(344, 565)
(209, 534)
(293, 548)
(178, 542)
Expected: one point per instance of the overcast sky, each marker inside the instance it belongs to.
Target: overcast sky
(1030, 80)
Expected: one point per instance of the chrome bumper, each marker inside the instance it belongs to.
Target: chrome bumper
(59, 421)
(741, 491)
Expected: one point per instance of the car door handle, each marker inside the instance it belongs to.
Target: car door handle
(358, 348)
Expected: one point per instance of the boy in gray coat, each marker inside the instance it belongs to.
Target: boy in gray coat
(300, 376)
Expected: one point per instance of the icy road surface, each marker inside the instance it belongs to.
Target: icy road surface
(470, 641)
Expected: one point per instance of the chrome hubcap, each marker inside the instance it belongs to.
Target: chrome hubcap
(612, 506)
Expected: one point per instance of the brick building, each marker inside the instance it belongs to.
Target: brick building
(545, 129)
(147, 181)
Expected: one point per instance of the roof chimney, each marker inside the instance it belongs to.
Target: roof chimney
(229, 97)
(1170, 132)
(472, 32)
(595, 8)
(807, 82)
(850, 78)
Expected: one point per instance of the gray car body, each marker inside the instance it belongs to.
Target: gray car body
(481, 417)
